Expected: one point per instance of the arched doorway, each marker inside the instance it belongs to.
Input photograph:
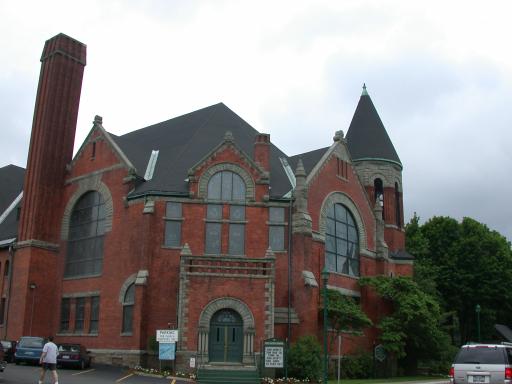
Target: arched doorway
(226, 337)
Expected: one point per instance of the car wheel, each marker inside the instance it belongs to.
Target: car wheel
(82, 364)
(17, 362)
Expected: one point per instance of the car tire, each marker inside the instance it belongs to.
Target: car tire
(82, 364)
(16, 361)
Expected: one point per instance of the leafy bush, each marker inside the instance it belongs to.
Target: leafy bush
(305, 359)
(358, 366)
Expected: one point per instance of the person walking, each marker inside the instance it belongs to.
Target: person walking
(48, 361)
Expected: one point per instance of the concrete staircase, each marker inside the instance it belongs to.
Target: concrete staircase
(228, 375)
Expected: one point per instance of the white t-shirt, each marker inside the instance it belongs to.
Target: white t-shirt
(51, 353)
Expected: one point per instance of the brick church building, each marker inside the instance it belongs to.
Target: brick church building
(198, 223)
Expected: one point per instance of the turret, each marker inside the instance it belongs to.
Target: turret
(378, 166)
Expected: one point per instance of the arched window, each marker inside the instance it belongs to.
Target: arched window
(128, 304)
(398, 212)
(378, 188)
(229, 187)
(341, 241)
(86, 233)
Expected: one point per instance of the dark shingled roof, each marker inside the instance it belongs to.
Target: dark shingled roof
(12, 184)
(183, 141)
(309, 159)
(366, 136)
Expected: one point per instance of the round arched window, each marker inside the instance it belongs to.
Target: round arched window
(86, 233)
(341, 241)
(226, 186)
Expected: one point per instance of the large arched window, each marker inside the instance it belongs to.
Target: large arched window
(86, 233)
(341, 241)
(225, 186)
(128, 304)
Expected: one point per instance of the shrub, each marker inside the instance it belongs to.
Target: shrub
(358, 366)
(305, 359)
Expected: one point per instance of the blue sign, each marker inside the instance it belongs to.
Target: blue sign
(167, 351)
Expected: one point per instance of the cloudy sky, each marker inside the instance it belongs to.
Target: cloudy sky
(439, 73)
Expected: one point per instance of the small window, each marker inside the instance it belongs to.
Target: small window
(2, 310)
(276, 229)
(236, 230)
(173, 219)
(398, 212)
(6, 270)
(95, 314)
(213, 229)
(64, 314)
(378, 188)
(79, 314)
(128, 304)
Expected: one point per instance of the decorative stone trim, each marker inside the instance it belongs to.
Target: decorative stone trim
(38, 244)
(129, 281)
(342, 198)
(344, 291)
(81, 294)
(92, 183)
(246, 177)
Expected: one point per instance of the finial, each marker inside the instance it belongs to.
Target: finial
(338, 135)
(98, 120)
(228, 136)
(300, 171)
(270, 254)
(185, 251)
(365, 92)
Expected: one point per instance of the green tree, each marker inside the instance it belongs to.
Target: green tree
(412, 329)
(470, 265)
(345, 315)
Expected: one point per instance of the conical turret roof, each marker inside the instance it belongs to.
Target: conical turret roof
(366, 137)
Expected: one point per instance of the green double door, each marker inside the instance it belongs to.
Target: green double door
(226, 337)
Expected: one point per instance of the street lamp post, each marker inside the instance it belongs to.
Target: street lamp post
(477, 310)
(325, 278)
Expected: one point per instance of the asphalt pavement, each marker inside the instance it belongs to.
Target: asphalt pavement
(96, 374)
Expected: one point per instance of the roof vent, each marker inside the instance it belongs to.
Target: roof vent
(151, 165)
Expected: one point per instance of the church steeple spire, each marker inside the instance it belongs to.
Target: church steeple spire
(367, 138)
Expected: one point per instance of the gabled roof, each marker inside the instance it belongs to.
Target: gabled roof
(12, 178)
(309, 159)
(185, 140)
(366, 137)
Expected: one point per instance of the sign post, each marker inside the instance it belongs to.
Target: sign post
(274, 353)
(167, 339)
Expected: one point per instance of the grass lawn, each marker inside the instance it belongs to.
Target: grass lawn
(418, 379)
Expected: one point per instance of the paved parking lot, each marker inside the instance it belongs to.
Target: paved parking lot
(96, 374)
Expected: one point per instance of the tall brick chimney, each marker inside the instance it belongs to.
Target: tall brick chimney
(34, 267)
(262, 150)
(53, 136)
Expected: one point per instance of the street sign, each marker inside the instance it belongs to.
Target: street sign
(192, 362)
(167, 351)
(380, 353)
(274, 353)
(167, 335)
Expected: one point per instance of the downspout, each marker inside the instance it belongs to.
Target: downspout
(12, 250)
(290, 209)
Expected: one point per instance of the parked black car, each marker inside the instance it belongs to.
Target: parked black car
(73, 355)
(9, 350)
(2, 360)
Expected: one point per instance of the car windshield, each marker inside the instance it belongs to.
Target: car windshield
(69, 348)
(481, 355)
(31, 343)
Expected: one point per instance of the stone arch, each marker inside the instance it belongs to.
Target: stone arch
(129, 281)
(90, 184)
(246, 177)
(248, 326)
(342, 198)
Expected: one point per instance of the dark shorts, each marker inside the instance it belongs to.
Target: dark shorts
(49, 366)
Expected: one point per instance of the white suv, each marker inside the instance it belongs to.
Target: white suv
(482, 363)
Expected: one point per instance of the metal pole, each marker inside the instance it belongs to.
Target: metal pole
(325, 332)
(339, 358)
(477, 310)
